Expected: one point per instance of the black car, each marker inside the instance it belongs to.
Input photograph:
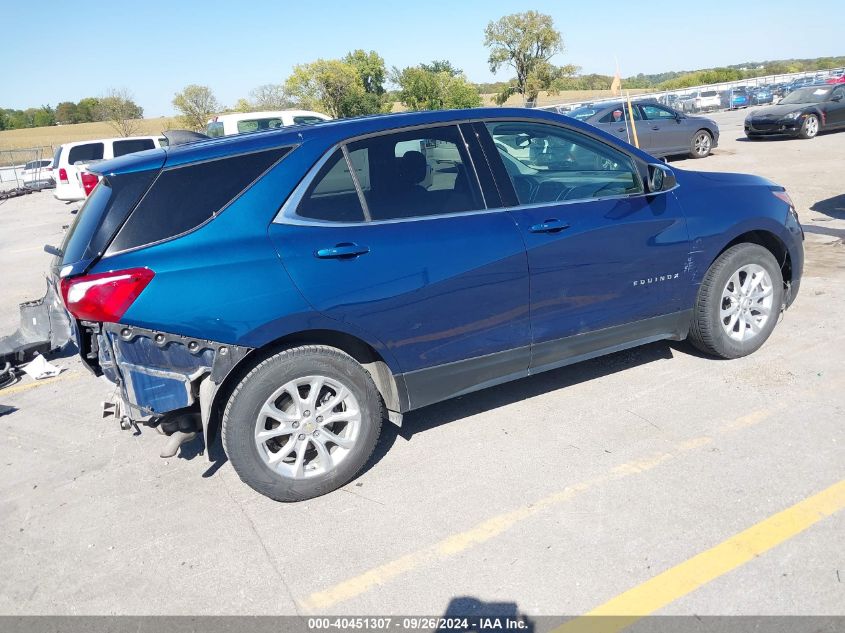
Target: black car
(802, 113)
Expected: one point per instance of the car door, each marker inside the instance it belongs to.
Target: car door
(415, 255)
(666, 132)
(835, 110)
(616, 121)
(608, 263)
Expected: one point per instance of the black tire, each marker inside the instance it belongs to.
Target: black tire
(694, 151)
(242, 411)
(706, 331)
(810, 127)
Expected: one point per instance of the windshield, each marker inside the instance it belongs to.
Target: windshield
(582, 114)
(807, 95)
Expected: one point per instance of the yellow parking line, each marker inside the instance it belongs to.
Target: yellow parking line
(39, 383)
(674, 583)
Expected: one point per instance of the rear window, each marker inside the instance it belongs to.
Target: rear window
(102, 214)
(121, 148)
(254, 125)
(183, 198)
(85, 153)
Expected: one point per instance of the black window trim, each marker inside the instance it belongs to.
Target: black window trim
(288, 211)
(640, 166)
(290, 148)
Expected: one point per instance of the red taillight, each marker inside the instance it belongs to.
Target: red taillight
(89, 181)
(784, 196)
(104, 296)
(63, 175)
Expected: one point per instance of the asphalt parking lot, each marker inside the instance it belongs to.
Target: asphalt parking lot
(551, 495)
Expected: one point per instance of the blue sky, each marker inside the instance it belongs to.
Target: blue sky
(57, 51)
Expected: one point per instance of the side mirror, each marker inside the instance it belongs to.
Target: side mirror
(660, 178)
(836, 98)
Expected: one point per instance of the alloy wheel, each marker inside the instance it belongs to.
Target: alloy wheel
(307, 427)
(702, 144)
(811, 126)
(747, 302)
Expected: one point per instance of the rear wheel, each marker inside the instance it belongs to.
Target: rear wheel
(810, 127)
(302, 423)
(701, 145)
(738, 302)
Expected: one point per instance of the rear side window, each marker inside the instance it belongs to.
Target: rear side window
(131, 145)
(57, 156)
(332, 195)
(416, 173)
(85, 153)
(254, 125)
(215, 129)
(183, 198)
(306, 120)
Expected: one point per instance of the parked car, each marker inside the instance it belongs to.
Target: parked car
(37, 173)
(798, 83)
(735, 98)
(296, 287)
(701, 101)
(802, 113)
(760, 96)
(661, 130)
(838, 79)
(71, 159)
(243, 122)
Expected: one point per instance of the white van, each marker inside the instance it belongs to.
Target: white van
(242, 122)
(70, 156)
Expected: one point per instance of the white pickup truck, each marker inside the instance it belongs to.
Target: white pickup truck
(701, 101)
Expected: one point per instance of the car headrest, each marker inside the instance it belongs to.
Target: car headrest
(413, 168)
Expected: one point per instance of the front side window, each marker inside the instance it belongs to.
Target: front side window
(620, 114)
(215, 129)
(653, 113)
(547, 163)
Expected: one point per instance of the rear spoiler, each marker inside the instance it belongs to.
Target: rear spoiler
(181, 137)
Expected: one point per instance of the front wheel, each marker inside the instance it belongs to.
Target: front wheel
(738, 302)
(701, 145)
(810, 127)
(302, 423)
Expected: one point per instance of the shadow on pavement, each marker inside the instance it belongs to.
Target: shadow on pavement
(435, 415)
(487, 616)
(832, 207)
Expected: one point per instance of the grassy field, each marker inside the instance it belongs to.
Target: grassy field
(47, 138)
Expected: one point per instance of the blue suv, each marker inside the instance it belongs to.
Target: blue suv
(296, 287)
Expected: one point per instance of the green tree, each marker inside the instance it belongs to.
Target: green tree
(330, 85)
(118, 108)
(421, 89)
(268, 97)
(44, 116)
(197, 104)
(87, 110)
(66, 112)
(370, 68)
(525, 42)
(442, 66)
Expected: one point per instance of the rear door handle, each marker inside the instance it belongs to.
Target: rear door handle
(345, 250)
(552, 225)
(655, 127)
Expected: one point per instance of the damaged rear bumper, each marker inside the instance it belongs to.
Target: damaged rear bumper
(159, 373)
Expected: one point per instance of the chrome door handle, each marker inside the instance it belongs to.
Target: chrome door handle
(345, 250)
(549, 226)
